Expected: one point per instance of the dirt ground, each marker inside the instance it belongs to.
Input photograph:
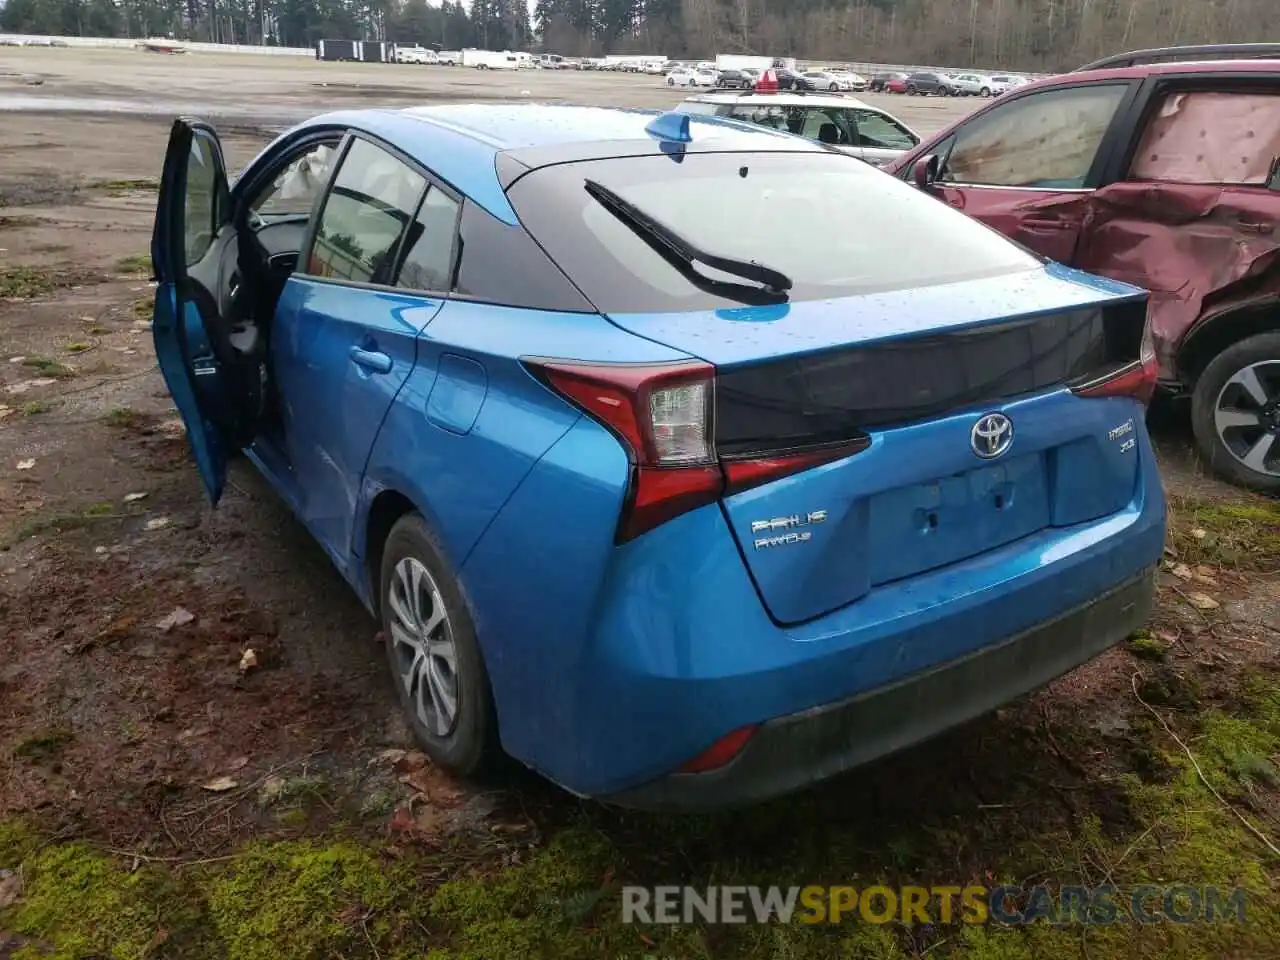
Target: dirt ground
(177, 681)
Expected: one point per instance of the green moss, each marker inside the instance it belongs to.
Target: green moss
(44, 746)
(308, 900)
(33, 407)
(143, 308)
(17, 842)
(1244, 533)
(127, 185)
(48, 367)
(26, 282)
(83, 904)
(134, 263)
(1145, 646)
(125, 418)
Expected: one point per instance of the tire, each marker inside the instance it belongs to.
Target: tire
(834, 86)
(670, 82)
(985, 92)
(468, 745)
(911, 91)
(1263, 348)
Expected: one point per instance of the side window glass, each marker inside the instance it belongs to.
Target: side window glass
(1047, 139)
(428, 259)
(1215, 137)
(296, 187)
(877, 130)
(200, 214)
(369, 206)
(762, 115)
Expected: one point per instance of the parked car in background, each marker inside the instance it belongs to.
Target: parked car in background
(855, 81)
(879, 82)
(844, 123)
(974, 84)
(735, 80)
(1161, 174)
(829, 80)
(691, 77)
(449, 58)
(896, 84)
(793, 80)
(1005, 82)
(926, 83)
(655, 480)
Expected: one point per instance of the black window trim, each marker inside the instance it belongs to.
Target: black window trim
(1113, 139)
(432, 181)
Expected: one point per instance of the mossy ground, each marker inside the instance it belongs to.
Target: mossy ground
(1023, 806)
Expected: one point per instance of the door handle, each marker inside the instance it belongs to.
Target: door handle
(371, 360)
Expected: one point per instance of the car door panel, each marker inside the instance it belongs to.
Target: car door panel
(470, 422)
(206, 353)
(1046, 221)
(340, 355)
(344, 341)
(1028, 165)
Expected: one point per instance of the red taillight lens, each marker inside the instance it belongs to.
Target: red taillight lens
(1137, 379)
(719, 753)
(664, 414)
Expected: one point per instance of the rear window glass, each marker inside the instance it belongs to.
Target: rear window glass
(833, 224)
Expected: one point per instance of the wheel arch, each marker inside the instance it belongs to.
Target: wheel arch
(1218, 330)
(387, 508)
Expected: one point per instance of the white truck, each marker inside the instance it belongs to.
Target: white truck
(490, 59)
(449, 58)
(735, 61)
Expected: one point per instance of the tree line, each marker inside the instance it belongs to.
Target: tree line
(1036, 35)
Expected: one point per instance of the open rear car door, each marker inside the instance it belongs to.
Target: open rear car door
(207, 346)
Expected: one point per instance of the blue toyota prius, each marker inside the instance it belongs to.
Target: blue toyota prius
(651, 488)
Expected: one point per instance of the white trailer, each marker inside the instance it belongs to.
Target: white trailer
(490, 59)
(735, 61)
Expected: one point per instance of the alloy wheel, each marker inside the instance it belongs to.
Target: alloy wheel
(422, 641)
(1246, 416)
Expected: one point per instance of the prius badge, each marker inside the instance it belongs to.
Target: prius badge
(784, 531)
(991, 436)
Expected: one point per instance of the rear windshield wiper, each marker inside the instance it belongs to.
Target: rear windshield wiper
(684, 256)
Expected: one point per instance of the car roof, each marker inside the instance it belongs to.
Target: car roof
(782, 97)
(1167, 67)
(466, 144)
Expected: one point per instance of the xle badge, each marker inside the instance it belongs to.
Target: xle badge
(785, 531)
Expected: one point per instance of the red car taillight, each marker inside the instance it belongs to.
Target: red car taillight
(664, 415)
(1137, 379)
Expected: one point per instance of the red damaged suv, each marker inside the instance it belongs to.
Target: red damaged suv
(1160, 168)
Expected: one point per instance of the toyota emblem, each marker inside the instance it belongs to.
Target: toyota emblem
(991, 436)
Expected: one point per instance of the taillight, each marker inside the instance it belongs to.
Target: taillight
(663, 413)
(1136, 379)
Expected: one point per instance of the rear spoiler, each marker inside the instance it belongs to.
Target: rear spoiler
(1208, 51)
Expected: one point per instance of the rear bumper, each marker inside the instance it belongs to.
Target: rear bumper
(794, 751)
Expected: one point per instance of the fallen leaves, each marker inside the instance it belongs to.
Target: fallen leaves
(1202, 601)
(248, 661)
(10, 888)
(26, 464)
(158, 523)
(134, 497)
(25, 385)
(180, 616)
(220, 785)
